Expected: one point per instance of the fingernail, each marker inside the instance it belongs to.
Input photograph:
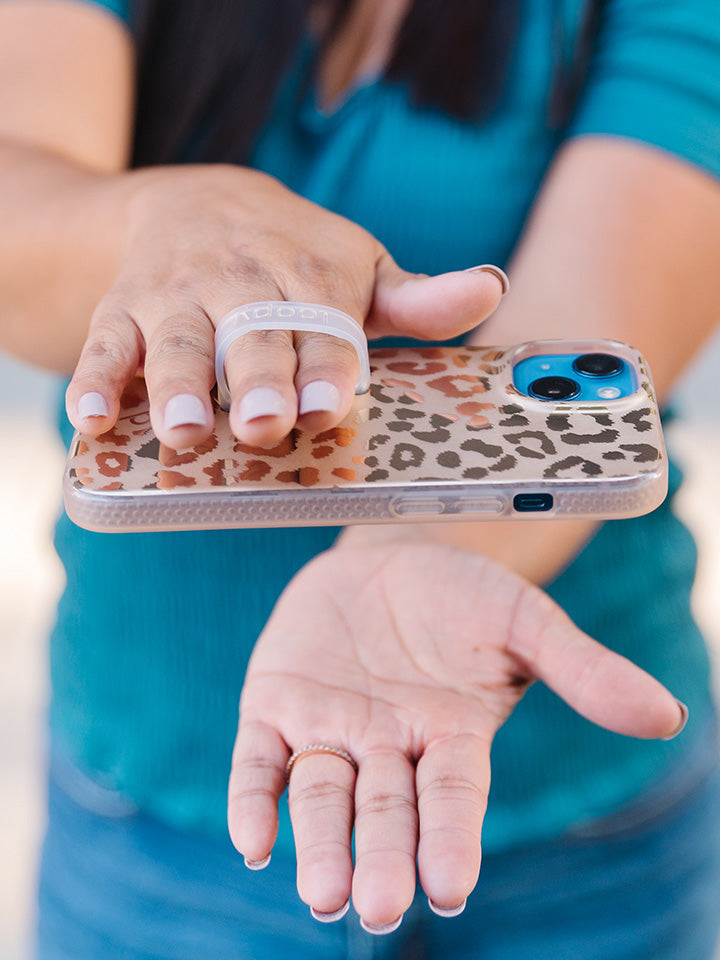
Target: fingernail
(331, 917)
(319, 395)
(495, 271)
(447, 911)
(257, 864)
(185, 410)
(92, 405)
(683, 720)
(381, 929)
(261, 402)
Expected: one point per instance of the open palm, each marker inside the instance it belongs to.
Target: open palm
(408, 657)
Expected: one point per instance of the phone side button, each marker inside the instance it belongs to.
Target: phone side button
(481, 505)
(403, 507)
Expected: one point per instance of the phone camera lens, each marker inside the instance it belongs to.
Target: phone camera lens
(598, 365)
(554, 388)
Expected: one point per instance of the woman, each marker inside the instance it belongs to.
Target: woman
(577, 142)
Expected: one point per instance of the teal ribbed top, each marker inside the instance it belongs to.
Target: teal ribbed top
(154, 630)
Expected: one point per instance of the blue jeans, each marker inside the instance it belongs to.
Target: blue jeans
(643, 884)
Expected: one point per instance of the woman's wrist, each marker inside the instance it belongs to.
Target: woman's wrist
(537, 550)
(67, 232)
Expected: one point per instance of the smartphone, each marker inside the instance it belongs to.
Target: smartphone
(547, 429)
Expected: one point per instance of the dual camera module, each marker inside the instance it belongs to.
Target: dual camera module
(594, 365)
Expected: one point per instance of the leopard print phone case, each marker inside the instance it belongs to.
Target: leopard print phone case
(443, 434)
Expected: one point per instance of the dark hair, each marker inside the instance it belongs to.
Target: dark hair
(207, 70)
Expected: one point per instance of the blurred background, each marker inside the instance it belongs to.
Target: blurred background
(31, 580)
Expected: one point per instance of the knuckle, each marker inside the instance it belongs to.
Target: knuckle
(252, 764)
(281, 339)
(179, 289)
(241, 265)
(318, 350)
(450, 788)
(313, 267)
(467, 835)
(173, 344)
(250, 794)
(111, 342)
(178, 337)
(102, 351)
(270, 352)
(385, 803)
(336, 282)
(256, 771)
(322, 793)
(530, 607)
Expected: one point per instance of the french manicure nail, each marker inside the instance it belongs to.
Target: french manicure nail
(185, 410)
(319, 395)
(447, 911)
(92, 405)
(261, 402)
(495, 271)
(257, 864)
(333, 916)
(380, 929)
(683, 720)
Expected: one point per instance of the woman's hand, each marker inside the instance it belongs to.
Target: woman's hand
(202, 240)
(409, 657)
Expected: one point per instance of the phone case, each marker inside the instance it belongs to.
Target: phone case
(443, 434)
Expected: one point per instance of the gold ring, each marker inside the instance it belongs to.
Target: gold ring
(318, 748)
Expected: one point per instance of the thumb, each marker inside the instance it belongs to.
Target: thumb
(601, 685)
(432, 308)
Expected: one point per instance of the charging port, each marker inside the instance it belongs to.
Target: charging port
(532, 502)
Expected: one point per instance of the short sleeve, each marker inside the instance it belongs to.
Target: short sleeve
(655, 77)
(121, 8)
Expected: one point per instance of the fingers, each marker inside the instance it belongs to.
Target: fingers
(321, 810)
(176, 349)
(260, 368)
(325, 802)
(453, 780)
(385, 840)
(276, 380)
(452, 786)
(328, 370)
(109, 359)
(603, 686)
(269, 393)
(433, 308)
(257, 780)
(272, 388)
(179, 371)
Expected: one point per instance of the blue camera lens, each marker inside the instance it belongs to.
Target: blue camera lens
(598, 365)
(575, 377)
(554, 388)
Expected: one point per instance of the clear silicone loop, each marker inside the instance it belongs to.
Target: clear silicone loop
(287, 315)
